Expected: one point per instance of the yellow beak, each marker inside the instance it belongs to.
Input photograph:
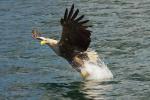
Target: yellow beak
(43, 42)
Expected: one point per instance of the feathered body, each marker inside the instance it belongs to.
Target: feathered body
(73, 45)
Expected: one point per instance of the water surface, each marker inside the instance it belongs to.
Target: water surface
(121, 35)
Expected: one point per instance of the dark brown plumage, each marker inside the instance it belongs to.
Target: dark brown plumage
(75, 35)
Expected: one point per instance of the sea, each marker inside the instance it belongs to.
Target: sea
(120, 36)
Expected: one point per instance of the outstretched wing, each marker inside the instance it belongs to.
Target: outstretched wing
(75, 35)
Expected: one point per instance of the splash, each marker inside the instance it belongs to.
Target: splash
(97, 69)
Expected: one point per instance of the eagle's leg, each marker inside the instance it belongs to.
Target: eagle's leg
(78, 62)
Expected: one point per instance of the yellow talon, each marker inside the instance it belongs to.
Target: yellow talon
(84, 73)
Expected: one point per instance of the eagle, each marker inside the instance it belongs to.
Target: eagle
(74, 44)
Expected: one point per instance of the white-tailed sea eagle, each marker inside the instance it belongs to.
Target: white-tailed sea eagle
(73, 45)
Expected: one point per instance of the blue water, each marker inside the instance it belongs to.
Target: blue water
(121, 35)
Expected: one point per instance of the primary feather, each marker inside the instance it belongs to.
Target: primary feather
(75, 35)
